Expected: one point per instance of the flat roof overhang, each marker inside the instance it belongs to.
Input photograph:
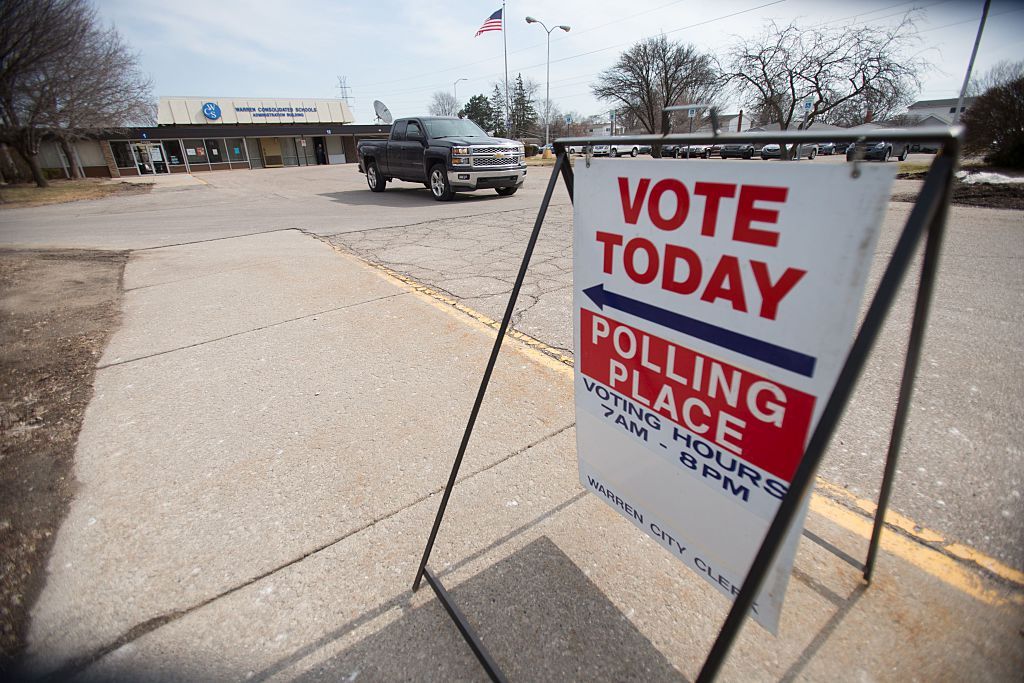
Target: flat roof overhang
(245, 130)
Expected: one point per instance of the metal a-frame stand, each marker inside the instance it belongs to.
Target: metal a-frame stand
(928, 216)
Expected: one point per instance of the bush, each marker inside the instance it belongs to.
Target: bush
(995, 125)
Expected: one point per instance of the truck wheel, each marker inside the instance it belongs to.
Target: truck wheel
(506, 191)
(439, 185)
(614, 152)
(633, 152)
(374, 179)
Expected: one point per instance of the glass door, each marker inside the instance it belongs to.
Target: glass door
(150, 158)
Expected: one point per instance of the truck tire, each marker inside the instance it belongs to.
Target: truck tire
(374, 179)
(633, 152)
(614, 152)
(439, 185)
(506, 191)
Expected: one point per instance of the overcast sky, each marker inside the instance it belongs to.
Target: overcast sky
(402, 52)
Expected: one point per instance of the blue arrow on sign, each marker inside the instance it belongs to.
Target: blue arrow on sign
(780, 357)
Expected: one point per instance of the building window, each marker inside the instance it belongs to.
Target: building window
(195, 152)
(215, 151)
(236, 150)
(173, 149)
(122, 155)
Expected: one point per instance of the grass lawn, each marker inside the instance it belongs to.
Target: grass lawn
(61, 191)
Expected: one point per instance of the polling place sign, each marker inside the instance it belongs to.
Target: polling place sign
(714, 306)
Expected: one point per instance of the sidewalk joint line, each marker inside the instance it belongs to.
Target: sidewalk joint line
(254, 329)
(213, 239)
(80, 664)
(204, 275)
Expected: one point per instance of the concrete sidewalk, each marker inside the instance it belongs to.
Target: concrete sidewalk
(258, 472)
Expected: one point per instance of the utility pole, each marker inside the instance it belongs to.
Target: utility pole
(970, 64)
(343, 87)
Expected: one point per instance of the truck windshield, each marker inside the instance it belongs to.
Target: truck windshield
(449, 128)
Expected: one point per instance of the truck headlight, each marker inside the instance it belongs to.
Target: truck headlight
(461, 161)
(460, 151)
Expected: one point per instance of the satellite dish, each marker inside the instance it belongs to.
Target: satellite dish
(383, 113)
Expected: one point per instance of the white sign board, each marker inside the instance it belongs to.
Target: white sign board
(714, 305)
(235, 110)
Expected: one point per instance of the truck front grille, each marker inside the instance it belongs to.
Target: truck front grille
(490, 161)
(488, 157)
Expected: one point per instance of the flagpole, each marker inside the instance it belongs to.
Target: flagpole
(504, 40)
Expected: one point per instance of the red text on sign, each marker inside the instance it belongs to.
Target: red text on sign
(757, 419)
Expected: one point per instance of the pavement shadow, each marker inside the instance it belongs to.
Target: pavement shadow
(536, 612)
(410, 195)
(843, 605)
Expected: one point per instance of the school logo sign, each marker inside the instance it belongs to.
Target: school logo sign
(211, 110)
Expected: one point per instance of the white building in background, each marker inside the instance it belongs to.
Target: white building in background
(940, 110)
(195, 134)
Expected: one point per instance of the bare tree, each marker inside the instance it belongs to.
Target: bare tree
(995, 125)
(443, 103)
(1001, 73)
(61, 71)
(843, 72)
(653, 74)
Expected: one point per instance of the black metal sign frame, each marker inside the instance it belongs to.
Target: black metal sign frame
(927, 217)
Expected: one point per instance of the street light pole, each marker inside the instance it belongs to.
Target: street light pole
(455, 89)
(547, 85)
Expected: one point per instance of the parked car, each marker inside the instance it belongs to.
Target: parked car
(739, 150)
(622, 150)
(841, 147)
(446, 154)
(773, 151)
(692, 152)
(826, 149)
(879, 151)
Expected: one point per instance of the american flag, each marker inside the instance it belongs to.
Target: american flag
(493, 23)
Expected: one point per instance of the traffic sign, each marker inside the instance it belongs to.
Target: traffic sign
(692, 112)
(807, 105)
(712, 314)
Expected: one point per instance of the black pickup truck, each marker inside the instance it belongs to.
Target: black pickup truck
(446, 154)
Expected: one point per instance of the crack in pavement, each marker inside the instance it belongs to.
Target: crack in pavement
(475, 259)
(80, 664)
(254, 329)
